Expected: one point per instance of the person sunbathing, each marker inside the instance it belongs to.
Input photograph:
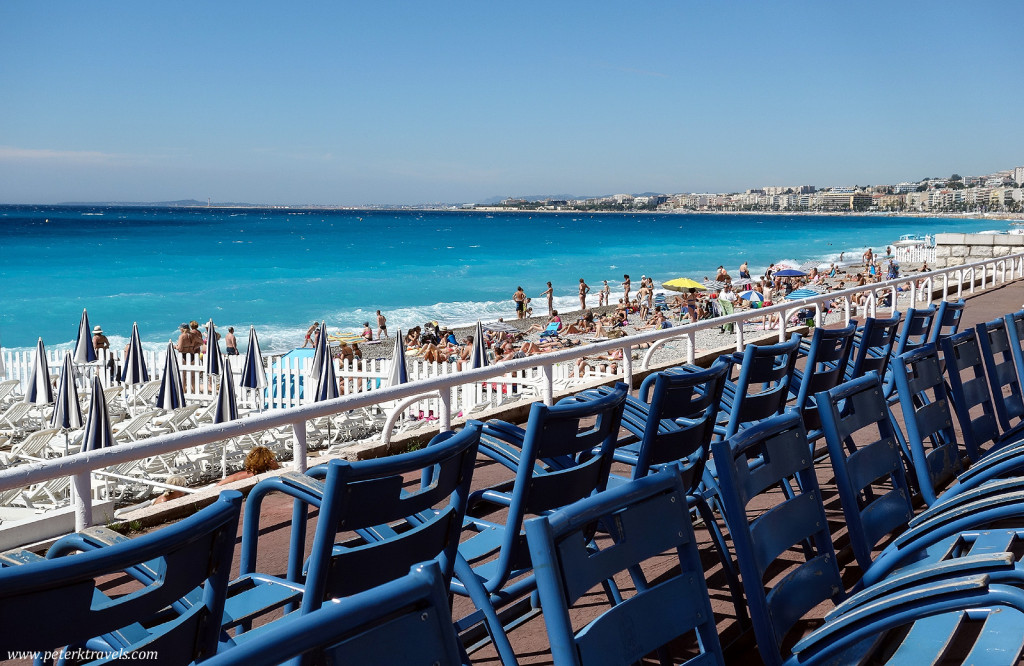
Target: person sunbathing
(555, 319)
(596, 362)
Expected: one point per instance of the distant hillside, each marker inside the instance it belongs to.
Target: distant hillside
(168, 204)
(563, 197)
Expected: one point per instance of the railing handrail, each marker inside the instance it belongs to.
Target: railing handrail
(87, 462)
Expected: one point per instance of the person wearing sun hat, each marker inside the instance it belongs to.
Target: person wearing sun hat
(99, 341)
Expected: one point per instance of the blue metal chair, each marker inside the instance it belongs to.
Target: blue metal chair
(874, 342)
(761, 387)
(671, 424)
(947, 320)
(756, 460)
(932, 448)
(877, 502)
(917, 327)
(1001, 367)
(826, 357)
(554, 464)
(972, 401)
(916, 601)
(404, 621)
(370, 530)
(649, 517)
(1015, 330)
(47, 604)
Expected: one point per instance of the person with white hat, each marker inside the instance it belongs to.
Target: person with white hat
(99, 341)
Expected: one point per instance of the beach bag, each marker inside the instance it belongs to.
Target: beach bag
(616, 334)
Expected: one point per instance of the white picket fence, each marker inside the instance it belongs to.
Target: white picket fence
(915, 254)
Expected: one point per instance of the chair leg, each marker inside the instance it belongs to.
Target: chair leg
(482, 600)
(718, 539)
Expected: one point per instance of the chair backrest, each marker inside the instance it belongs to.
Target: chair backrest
(1015, 331)
(680, 420)
(917, 326)
(875, 341)
(867, 461)
(825, 366)
(1003, 380)
(404, 621)
(750, 464)
(646, 518)
(934, 451)
(365, 499)
(557, 436)
(762, 387)
(968, 384)
(947, 319)
(48, 604)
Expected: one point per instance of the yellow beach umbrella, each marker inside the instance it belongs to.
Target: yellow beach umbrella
(682, 284)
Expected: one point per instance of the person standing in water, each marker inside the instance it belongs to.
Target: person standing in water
(550, 294)
(584, 290)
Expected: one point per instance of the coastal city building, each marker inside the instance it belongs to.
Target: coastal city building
(993, 192)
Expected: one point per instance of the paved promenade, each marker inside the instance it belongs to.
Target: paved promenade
(530, 640)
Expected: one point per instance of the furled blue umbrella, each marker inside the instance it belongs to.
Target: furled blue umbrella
(254, 375)
(134, 370)
(478, 357)
(67, 413)
(801, 293)
(171, 394)
(98, 434)
(39, 391)
(752, 296)
(789, 272)
(84, 352)
(320, 352)
(212, 362)
(327, 382)
(398, 374)
(227, 408)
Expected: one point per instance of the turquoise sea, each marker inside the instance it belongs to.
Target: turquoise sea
(280, 269)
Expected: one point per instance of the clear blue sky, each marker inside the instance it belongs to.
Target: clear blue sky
(409, 102)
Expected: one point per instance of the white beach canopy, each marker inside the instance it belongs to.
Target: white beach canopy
(171, 394)
(84, 352)
(98, 434)
(134, 370)
(398, 373)
(39, 390)
(478, 357)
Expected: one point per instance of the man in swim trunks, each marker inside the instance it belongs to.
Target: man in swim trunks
(309, 335)
(382, 326)
(231, 342)
(520, 300)
(584, 290)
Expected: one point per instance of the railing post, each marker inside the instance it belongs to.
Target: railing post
(945, 286)
(299, 446)
(739, 336)
(81, 486)
(627, 366)
(691, 347)
(548, 387)
(445, 417)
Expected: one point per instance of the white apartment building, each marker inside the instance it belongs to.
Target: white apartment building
(1018, 175)
(903, 188)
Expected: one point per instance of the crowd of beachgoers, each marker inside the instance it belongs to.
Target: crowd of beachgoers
(527, 333)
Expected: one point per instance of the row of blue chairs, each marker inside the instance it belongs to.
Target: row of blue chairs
(584, 536)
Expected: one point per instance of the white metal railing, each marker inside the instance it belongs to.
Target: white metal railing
(914, 253)
(537, 371)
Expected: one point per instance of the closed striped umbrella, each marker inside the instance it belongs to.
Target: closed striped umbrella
(398, 374)
(479, 356)
(227, 408)
(254, 375)
(67, 413)
(98, 434)
(171, 394)
(134, 370)
(39, 391)
(84, 352)
(212, 361)
(320, 352)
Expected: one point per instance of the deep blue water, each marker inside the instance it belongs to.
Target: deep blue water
(280, 269)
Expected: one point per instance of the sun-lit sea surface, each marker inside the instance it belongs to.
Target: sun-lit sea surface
(280, 269)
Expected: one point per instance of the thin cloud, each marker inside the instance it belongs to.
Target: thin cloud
(640, 72)
(15, 154)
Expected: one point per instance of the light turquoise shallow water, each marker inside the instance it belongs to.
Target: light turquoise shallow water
(280, 269)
